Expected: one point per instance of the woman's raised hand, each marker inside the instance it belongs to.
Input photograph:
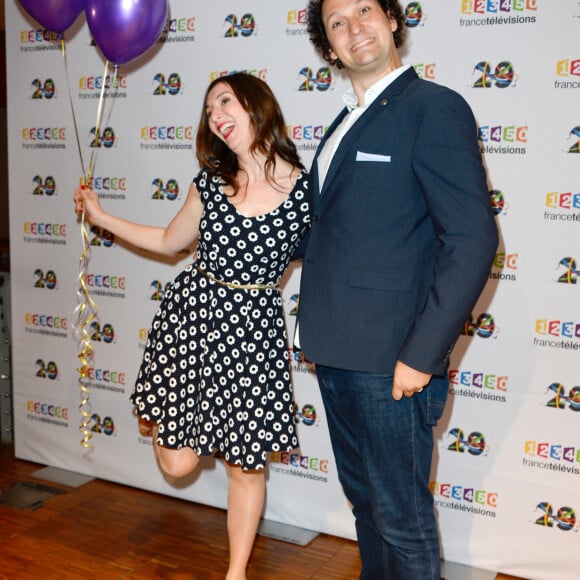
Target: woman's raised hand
(87, 199)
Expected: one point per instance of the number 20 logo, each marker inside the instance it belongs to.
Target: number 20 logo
(564, 518)
(246, 26)
(44, 89)
(502, 77)
(320, 80)
(560, 400)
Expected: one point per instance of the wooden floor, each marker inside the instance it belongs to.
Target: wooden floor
(108, 531)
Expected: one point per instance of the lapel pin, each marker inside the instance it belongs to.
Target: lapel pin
(384, 102)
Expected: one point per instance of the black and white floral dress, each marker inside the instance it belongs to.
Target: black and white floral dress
(215, 373)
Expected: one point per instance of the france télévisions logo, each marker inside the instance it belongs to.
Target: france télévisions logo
(562, 206)
(166, 137)
(505, 267)
(48, 324)
(296, 21)
(478, 385)
(503, 139)
(178, 30)
(45, 233)
(465, 498)
(43, 89)
(562, 518)
(43, 138)
(111, 86)
(39, 40)
(551, 457)
(111, 285)
(425, 71)
(106, 380)
(560, 334)
(44, 412)
(497, 12)
(242, 26)
(414, 15)
(306, 137)
(568, 69)
(107, 186)
(261, 73)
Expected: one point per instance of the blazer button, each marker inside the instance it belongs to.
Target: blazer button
(316, 218)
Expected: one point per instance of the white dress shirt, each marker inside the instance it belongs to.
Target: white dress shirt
(354, 112)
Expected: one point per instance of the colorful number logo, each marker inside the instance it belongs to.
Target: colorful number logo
(564, 518)
(170, 87)
(46, 370)
(47, 280)
(502, 77)
(43, 90)
(475, 442)
(321, 80)
(560, 400)
(246, 25)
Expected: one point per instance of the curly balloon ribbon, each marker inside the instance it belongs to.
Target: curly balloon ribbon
(84, 314)
(86, 311)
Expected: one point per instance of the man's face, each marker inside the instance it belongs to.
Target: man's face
(361, 36)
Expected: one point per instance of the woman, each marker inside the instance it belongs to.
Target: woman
(215, 372)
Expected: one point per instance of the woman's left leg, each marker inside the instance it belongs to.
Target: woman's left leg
(247, 491)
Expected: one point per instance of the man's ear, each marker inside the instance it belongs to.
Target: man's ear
(393, 21)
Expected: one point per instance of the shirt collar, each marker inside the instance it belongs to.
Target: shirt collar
(374, 90)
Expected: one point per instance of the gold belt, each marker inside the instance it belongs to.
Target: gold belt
(238, 286)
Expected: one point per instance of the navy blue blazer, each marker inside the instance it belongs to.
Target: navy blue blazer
(402, 237)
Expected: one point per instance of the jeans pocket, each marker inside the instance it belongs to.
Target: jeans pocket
(436, 395)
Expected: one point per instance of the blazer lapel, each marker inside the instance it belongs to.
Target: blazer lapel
(314, 177)
(382, 101)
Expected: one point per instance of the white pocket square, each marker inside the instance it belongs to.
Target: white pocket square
(362, 156)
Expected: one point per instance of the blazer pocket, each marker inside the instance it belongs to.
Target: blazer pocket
(375, 157)
(398, 281)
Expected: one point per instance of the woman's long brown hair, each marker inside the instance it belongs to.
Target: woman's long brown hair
(270, 137)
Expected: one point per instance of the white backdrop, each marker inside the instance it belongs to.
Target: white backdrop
(507, 470)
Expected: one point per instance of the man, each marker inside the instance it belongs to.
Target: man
(401, 245)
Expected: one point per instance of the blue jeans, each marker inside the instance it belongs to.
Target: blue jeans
(383, 449)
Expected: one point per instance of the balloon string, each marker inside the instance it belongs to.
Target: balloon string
(84, 314)
(75, 124)
(86, 309)
(98, 123)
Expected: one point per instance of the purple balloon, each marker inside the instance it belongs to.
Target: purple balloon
(125, 29)
(54, 15)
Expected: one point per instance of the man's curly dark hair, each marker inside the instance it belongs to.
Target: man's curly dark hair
(317, 33)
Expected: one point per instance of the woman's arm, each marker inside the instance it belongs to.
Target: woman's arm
(179, 234)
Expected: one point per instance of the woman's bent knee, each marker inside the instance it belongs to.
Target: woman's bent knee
(177, 462)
